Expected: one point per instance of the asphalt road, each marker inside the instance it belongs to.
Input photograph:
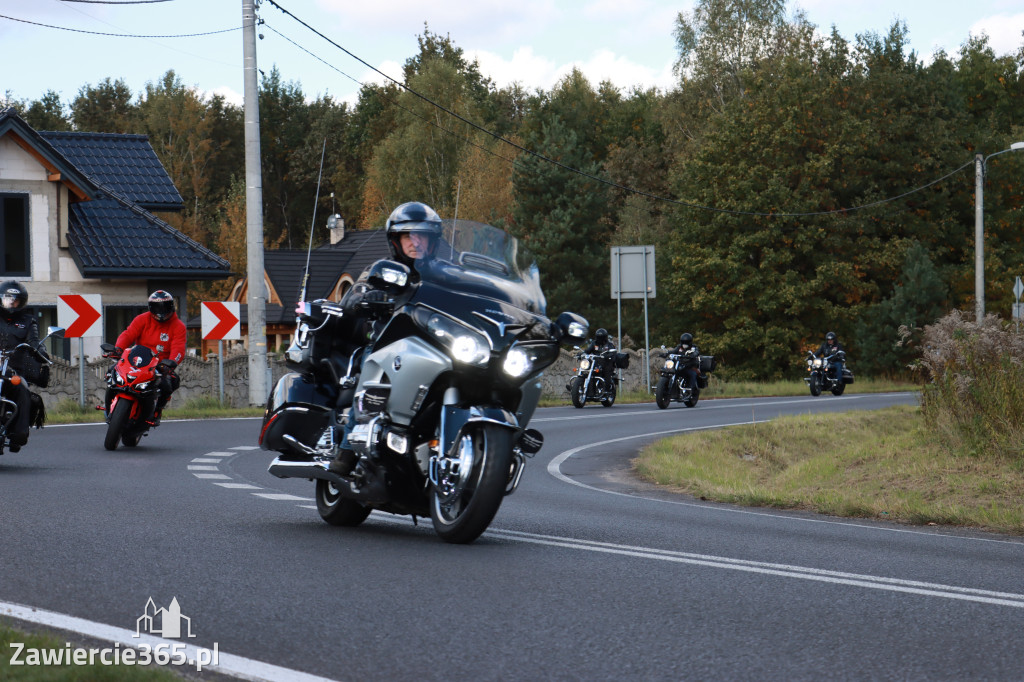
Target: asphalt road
(585, 573)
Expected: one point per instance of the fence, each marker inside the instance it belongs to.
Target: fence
(199, 378)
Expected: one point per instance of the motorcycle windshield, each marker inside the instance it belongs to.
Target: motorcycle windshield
(477, 259)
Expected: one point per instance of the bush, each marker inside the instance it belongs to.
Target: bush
(975, 393)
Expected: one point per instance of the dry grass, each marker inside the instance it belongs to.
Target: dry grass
(886, 464)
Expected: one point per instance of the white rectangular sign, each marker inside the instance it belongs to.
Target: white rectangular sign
(633, 272)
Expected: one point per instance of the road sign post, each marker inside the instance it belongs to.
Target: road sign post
(633, 277)
(81, 315)
(221, 321)
(1018, 289)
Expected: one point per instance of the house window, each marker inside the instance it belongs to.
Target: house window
(14, 235)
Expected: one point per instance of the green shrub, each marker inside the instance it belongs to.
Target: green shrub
(974, 397)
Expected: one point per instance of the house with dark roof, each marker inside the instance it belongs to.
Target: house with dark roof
(77, 215)
(333, 269)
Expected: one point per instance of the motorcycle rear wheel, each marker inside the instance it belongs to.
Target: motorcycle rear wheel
(837, 389)
(815, 385)
(661, 393)
(462, 514)
(691, 401)
(337, 510)
(609, 399)
(576, 392)
(118, 420)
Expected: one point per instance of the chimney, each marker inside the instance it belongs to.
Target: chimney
(336, 225)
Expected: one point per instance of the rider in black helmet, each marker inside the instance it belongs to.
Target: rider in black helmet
(603, 348)
(691, 358)
(18, 325)
(413, 232)
(828, 349)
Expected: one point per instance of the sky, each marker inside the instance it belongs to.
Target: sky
(532, 42)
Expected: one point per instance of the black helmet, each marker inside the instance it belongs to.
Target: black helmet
(686, 339)
(831, 336)
(412, 217)
(601, 336)
(161, 305)
(13, 296)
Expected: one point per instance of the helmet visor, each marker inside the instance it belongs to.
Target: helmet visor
(9, 301)
(162, 310)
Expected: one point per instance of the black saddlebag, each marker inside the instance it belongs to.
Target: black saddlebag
(298, 407)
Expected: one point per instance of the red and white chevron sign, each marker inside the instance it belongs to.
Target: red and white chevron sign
(80, 315)
(221, 320)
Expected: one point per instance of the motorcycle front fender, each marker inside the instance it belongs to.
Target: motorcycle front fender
(455, 421)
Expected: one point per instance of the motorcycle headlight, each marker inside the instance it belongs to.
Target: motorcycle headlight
(670, 364)
(817, 363)
(585, 363)
(118, 379)
(143, 386)
(463, 343)
(517, 363)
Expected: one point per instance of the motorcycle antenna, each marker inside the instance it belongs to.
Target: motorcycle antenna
(312, 226)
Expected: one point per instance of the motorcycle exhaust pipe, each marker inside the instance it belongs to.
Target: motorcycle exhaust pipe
(370, 491)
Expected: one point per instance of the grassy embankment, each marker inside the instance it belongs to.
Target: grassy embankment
(958, 459)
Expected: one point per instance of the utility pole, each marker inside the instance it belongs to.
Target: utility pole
(257, 298)
(979, 238)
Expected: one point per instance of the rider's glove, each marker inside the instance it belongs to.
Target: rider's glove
(167, 365)
(377, 303)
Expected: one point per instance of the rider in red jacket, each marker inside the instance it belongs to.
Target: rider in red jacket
(161, 331)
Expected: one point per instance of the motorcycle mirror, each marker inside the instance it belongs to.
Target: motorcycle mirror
(55, 331)
(389, 275)
(572, 325)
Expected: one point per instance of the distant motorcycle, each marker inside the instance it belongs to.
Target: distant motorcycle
(136, 380)
(672, 386)
(595, 377)
(10, 380)
(820, 376)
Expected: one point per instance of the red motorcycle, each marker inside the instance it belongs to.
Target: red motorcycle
(136, 380)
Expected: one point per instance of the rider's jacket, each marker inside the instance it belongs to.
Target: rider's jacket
(825, 350)
(597, 349)
(166, 339)
(20, 327)
(691, 355)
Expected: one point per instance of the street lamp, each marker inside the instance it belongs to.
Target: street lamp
(979, 228)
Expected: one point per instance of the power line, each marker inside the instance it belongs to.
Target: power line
(677, 202)
(119, 35)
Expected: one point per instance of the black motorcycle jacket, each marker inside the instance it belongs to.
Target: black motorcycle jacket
(691, 355)
(825, 350)
(21, 327)
(596, 349)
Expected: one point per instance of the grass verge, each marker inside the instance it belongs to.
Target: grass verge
(885, 464)
(202, 407)
(65, 672)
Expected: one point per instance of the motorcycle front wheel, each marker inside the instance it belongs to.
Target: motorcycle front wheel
(337, 510)
(576, 392)
(661, 393)
(118, 420)
(838, 388)
(609, 399)
(465, 501)
(815, 385)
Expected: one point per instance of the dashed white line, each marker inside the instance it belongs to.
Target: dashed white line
(201, 467)
(282, 496)
(206, 460)
(239, 486)
(212, 476)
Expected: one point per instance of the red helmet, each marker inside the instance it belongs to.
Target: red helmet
(161, 305)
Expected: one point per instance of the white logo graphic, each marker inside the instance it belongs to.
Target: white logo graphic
(163, 622)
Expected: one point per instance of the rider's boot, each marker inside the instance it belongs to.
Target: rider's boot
(344, 462)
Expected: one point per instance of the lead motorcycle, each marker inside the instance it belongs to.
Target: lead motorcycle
(441, 398)
(10, 380)
(595, 377)
(135, 378)
(672, 386)
(820, 374)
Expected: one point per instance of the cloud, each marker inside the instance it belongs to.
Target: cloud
(1003, 30)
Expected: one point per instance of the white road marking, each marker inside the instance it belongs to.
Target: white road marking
(554, 468)
(220, 454)
(206, 460)
(282, 496)
(221, 477)
(228, 664)
(201, 467)
(246, 447)
(239, 486)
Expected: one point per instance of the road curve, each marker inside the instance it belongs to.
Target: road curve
(585, 573)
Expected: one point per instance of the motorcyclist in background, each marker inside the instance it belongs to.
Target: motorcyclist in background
(161, 331)
(599, 347)
(691, 358)
(18, 325)
(828, 348)
(413, 231)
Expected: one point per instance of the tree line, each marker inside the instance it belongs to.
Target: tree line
(760, 177)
